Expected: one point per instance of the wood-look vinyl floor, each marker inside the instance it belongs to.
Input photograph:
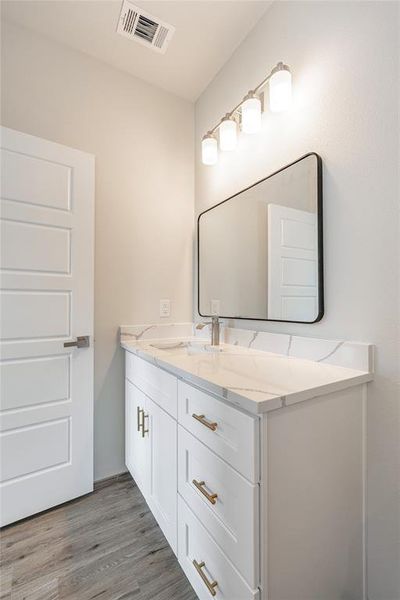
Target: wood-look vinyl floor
(104, 546)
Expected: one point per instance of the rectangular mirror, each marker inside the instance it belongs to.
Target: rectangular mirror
(260, 251)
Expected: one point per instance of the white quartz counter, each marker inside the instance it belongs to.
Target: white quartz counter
(255, 380)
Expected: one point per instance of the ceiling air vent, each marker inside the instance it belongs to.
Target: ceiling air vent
(138, 25)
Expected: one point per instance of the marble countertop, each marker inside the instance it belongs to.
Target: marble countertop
(256, 381)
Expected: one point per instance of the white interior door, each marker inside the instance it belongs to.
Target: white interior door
(292, 264)
(46, 410)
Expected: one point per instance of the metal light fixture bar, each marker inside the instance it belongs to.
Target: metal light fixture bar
(279, 67)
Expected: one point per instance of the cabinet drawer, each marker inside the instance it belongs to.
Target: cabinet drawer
(195, 544)
(232, 517)
(229, 432)
(159, 385)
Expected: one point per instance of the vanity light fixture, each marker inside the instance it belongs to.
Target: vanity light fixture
(280, 88)
(228, 133)
(251, 113)
(209, 149)
(247, 114)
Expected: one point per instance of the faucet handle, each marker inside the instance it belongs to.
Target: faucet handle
(203, 324)
(214, 321)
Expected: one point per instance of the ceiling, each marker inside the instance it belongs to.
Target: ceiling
(207, 33)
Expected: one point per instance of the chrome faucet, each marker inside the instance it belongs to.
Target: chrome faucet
(215, 329)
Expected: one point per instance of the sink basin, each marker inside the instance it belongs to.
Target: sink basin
(187, 347)
(169, 345)
(203, 349)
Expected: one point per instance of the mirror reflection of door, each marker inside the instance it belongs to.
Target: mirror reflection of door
(292, 264)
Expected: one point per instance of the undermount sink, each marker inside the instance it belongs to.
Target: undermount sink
(203, 349)
(187, 347)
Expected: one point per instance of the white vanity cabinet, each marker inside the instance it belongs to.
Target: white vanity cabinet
(256, 506)
(214, 447)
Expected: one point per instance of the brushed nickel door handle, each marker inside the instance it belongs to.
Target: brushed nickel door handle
(202, 419)
(200, 486)
(82, 341)
(211, 585)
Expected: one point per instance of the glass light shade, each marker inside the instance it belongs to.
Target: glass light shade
(227, 135)
(251, 115)
(209, 150)
(280, 90)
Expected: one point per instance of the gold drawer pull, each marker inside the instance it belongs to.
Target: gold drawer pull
(140, 413)
(210, 584)
(210, 497)
(202, 420)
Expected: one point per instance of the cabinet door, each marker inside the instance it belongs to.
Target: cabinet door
(136, 445)
(162, 491)
(129, 424)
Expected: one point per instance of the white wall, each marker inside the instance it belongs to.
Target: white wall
(345, 61)
(142, 138)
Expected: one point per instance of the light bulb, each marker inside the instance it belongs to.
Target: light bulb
(209, 150)
(280, 88)
(227, 134)
(251, 113)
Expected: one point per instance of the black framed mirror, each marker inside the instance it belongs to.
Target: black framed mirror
(260, 252)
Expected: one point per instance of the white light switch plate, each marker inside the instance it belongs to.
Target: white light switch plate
(165, 307)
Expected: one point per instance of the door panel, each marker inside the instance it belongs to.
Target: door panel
(33, 314)
(34, 381)
(45, 182)
(46, 410)
(25, 247)
(16, 462)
